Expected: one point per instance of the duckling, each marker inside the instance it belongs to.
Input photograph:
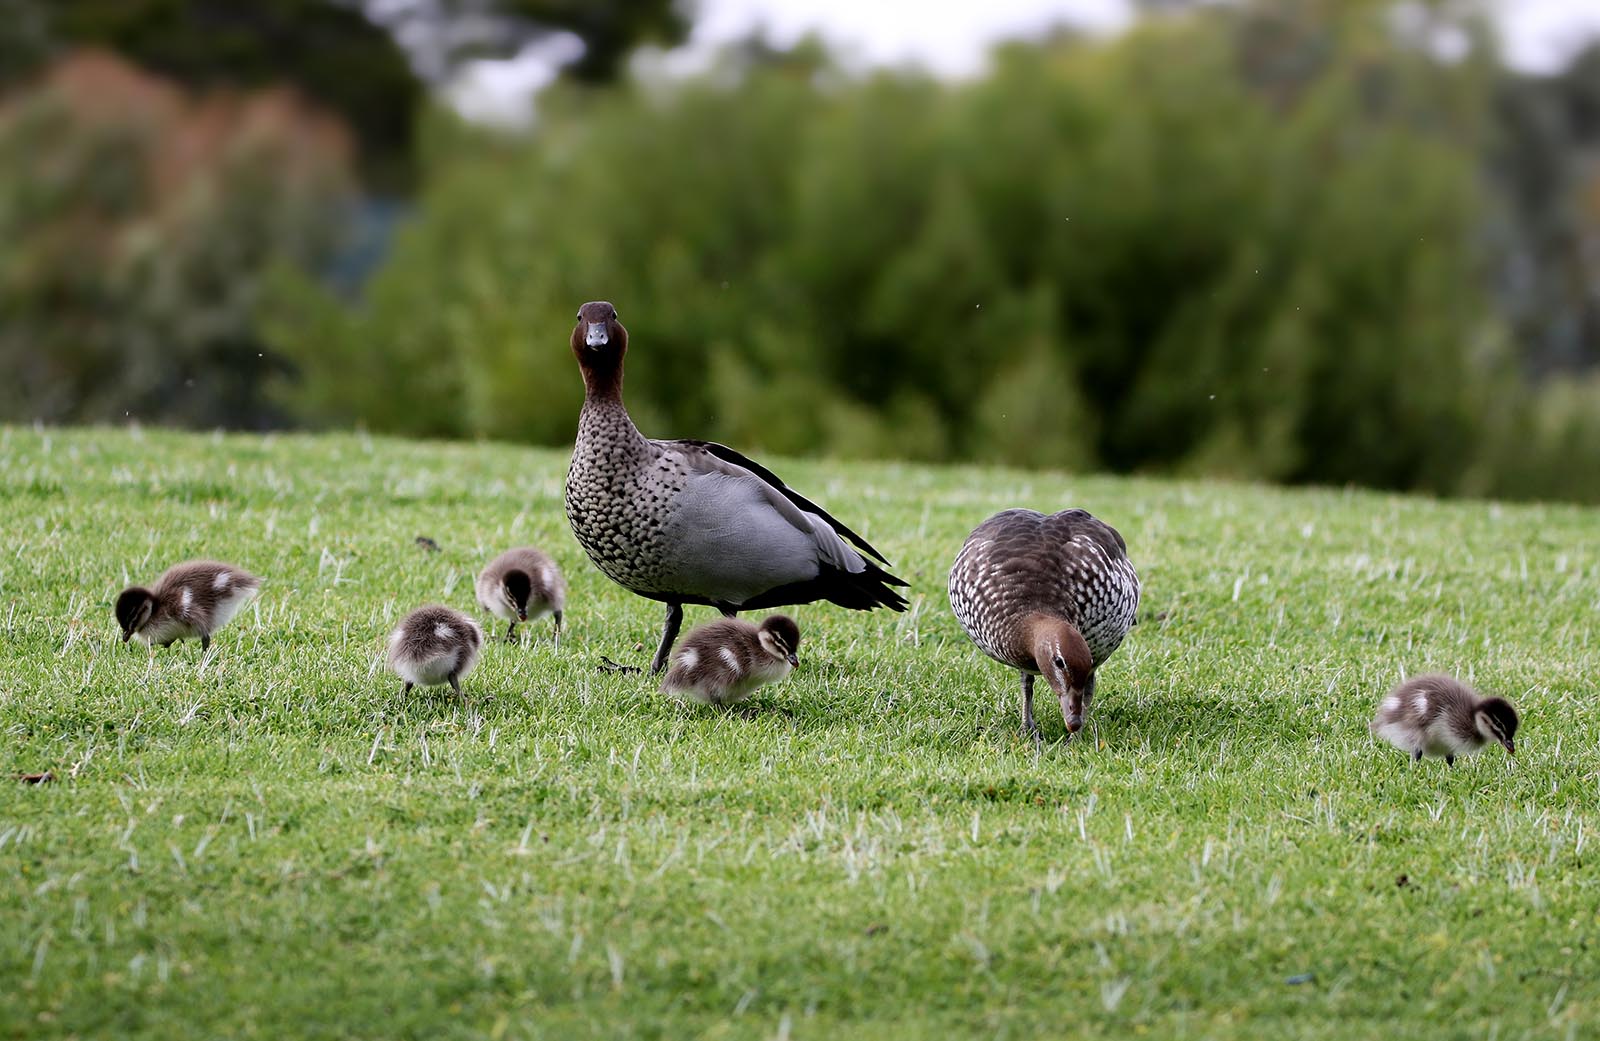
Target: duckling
(1439, 715)
(195, 598)
(722, 662)
(1044, 594)
(434, 645)
(521, 585)
(693, 522)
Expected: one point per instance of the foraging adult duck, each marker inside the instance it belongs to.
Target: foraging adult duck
(434, 645)
(1047, 595)
(522, 585)
(1438, 715)
(722, 662)
(195, 598)
(693, 522)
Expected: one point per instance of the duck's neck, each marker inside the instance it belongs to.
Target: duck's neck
(602, 384)
(604, 417)
(1047, 637)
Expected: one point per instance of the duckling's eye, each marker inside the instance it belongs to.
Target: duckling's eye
(1060, 664)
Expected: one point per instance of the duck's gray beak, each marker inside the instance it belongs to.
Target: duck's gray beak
(794, 660)
(1072, 711)
(1511, 747)
(126, 634)
(595, 335)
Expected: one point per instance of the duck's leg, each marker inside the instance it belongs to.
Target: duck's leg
(455, 685)
(1029, 724)
(669, 636)
(205, 642)
(728, 610)
(406, 689)
(1416, 755)
(511, 633)
(558, 631)
(1450, 760)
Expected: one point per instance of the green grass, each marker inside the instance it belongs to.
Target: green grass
(272, 842)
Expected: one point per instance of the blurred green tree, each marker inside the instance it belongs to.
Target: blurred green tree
(333, 51)
(1174, 251)
(139, 224)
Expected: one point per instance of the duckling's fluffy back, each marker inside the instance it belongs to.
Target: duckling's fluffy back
(434, 643)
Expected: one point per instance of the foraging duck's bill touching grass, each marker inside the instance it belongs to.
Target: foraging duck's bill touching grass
(723, 662)
(195, 598)
(434, 645)
(692, 522)
(1438, 715)
(522, 585)
(1047, 595)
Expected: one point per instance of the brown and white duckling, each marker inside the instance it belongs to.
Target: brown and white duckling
(1438, 715)
(1051, 595)
(195, 598)
(722, 662)
(521, 585)
(434, 645)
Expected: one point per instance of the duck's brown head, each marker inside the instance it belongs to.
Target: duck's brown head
(599, 341)
(1063, 659)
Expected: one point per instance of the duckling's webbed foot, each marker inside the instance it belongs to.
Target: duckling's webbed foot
(607, 665)
(669, 636)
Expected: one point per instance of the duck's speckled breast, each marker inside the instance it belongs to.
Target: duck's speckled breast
(619, 495)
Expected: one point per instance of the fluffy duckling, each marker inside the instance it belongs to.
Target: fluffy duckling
(521, 585)
(195, 598)
(434, 645)
(1439, 715)
(1047, 595)
(722, 662)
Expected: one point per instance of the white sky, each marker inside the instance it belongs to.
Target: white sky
(950, 37)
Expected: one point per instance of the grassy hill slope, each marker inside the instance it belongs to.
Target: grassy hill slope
(272, 842)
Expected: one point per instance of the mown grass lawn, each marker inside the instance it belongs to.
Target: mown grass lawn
(272, 842)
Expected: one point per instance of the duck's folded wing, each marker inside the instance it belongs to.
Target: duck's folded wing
(711, 454)
(749, 498)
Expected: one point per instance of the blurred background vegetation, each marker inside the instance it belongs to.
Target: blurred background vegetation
(1291, 240)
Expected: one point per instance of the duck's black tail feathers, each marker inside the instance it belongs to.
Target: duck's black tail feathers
(859, 591)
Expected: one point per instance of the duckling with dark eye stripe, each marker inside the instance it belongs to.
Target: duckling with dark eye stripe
(434, 645)
(195, 598)
(722, 662)
(522, 585)
(1438, 715)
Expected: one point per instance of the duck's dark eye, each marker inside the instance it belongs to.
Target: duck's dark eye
(1060, 664)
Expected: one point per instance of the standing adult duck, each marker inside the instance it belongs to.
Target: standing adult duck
(1047, 595)
(692, 522)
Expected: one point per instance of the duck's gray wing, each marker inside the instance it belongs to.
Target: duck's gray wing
(728, 455)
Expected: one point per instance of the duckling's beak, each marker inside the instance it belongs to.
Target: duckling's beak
(1511, 746)
(126, 634)
(595, 334)
(522, 616)
(794, 660)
